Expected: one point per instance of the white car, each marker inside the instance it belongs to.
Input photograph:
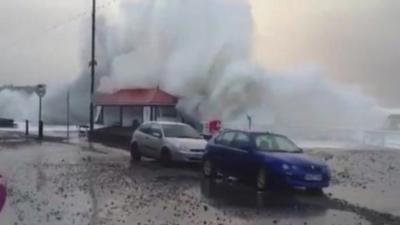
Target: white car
(167, 141)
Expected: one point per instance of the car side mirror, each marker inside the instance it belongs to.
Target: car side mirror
(156, 134)
(301, 150)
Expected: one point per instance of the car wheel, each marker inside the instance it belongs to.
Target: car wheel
(135, 153)
(165, 157)
(262, 180)
(208, 168)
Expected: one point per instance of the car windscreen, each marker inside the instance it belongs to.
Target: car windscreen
(180, 131)
(275, 143)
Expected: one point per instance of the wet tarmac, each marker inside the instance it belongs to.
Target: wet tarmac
(77, 184)
(367, 178)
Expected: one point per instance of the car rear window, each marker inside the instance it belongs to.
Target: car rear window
(145, 128)
(225, 138)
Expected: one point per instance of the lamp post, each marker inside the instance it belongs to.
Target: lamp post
(40, 91)
(92, 65)
(68, 114)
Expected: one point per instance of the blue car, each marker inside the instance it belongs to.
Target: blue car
(265, 158)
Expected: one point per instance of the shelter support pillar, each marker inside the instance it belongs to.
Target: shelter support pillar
(121, 115)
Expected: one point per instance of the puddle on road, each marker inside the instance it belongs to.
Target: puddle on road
(383, 201)
(224, 203)
(234, 194)
(288, 205)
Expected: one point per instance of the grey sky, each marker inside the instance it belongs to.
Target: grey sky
(29, 52)
(356, 42)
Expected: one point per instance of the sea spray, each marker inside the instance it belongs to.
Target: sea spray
(201, 52)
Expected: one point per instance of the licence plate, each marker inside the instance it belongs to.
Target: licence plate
(313, 177)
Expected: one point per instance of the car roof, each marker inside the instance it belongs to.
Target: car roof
(165, 122)
(251, 132)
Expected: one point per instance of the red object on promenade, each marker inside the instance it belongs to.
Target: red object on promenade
(3, 192)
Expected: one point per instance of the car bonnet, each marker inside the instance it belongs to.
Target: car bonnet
(295, 158)
(189, 142)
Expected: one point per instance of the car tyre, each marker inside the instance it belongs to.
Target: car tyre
(209, 168)
(165, 157)
(262, 180)
(135, 153)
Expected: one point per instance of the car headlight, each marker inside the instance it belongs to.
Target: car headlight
(183, 149)
(288, 167)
